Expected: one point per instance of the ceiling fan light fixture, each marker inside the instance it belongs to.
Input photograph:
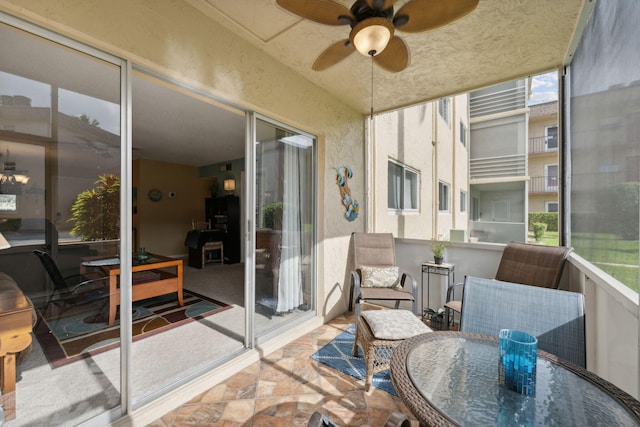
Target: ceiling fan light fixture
(371, 36)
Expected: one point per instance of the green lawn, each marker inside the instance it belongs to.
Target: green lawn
(617, 257)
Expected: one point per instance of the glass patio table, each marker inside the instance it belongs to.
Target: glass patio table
(451, 378)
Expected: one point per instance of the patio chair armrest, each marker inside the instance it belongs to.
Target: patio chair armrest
(88, 282)
(452, 291)
(354, 287)
(412, 281)
(414, 289)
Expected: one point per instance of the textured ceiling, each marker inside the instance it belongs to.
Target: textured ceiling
(500, 40)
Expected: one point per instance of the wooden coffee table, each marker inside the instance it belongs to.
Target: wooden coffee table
(159, 275)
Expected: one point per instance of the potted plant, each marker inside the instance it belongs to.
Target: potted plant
(435, 317)
(438, 248)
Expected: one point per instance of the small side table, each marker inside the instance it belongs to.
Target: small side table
(430, 268)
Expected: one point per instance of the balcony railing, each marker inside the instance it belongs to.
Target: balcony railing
(498, 167)
(543, 184)
(543, 144)
(498, 102)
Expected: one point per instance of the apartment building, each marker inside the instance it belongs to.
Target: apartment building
(424, 150)
(543, 157)
(498, 175)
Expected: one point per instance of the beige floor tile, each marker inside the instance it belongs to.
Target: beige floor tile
(285, 388)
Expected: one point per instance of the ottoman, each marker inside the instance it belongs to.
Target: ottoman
(379, 332)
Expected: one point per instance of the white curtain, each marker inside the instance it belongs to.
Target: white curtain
(294, 176)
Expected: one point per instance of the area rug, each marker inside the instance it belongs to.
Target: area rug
(83, 331)
(337, 355)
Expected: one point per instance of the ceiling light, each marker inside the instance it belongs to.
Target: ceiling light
(10, 175)
(14, 178)
(371, 36)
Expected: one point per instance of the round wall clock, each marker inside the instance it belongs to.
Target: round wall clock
(155, 195)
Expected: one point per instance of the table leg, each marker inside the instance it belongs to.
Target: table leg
(114, 298)
(179, 271)
(8, 385)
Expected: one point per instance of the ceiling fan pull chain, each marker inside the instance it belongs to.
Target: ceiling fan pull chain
(371, 86)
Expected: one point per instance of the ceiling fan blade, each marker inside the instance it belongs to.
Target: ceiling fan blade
(326, 12)
(380, 4)
(394, 57)
(429, 14)
(333, 54)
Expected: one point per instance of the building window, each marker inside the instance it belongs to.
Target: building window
(475, 209)
(551, 177)
(443, 108)
(443, 197)
(463, 201)
(463, 134)
(551, 138)
(551, 206)
(402, 187)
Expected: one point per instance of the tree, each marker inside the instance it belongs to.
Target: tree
(85, 118)
(96, 212)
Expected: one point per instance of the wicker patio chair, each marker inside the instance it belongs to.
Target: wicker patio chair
(376, 276)
(524, 263)
(554, 316)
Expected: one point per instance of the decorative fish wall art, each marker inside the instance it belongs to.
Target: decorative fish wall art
(351, 205)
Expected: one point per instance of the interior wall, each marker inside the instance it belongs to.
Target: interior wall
(218, 172)
(163, 225)
(175, 40)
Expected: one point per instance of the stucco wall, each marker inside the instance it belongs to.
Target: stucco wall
(405, 137)
(175, 40)
(419, 138)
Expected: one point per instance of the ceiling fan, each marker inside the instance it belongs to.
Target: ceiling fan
(373, 23)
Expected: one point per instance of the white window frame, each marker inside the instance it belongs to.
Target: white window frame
(463, 134)
(444, 108)
(405, 170)
(547, 186)
(443, 197)
(463, 201)
(547, 138)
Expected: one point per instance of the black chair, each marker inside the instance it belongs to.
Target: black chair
(75, 289)
(396, 419)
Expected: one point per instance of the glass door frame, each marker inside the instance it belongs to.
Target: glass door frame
(251, 205)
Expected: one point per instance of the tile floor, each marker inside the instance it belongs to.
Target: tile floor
(285, 388)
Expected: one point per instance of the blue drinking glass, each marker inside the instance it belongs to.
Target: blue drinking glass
(517, 367)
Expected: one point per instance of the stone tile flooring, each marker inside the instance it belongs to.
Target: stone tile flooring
(285, 388)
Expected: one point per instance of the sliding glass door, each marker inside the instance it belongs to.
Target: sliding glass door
(147, 324)
(285, 206)
(60, 144)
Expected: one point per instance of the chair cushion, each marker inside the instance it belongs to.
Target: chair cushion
(380, 277)
(455, 305)
(394, 324)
